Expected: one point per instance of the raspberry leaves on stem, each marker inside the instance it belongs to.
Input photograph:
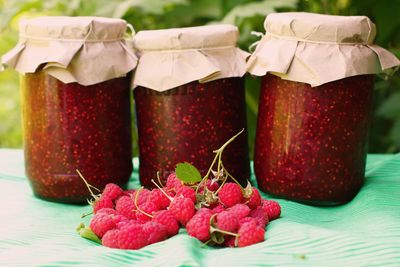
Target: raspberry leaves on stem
(221, 171)
(89, 187)
(217, 235)
(218, 155)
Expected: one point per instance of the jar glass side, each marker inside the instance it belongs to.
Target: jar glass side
(311, 142)
(71, 126)
(187, 123)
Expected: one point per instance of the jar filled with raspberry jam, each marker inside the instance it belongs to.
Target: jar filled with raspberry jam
(189, 100)
(75, 104)
(315, 105)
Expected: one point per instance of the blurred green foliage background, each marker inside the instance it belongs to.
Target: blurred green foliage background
(248, 15)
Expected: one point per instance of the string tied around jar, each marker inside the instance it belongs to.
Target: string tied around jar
(254, 45)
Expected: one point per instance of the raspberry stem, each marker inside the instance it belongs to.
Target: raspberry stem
(137, 206)
(214, 229)
(169, 197)
(159, 178)
(89, 187)
(218, 155)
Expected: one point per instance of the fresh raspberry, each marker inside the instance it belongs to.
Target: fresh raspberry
(158, 198)
(173, 182)
(124, 224)
(272, 208)
(101, 223)
(144, 195)
(132, 237)
(199, 226)
(240, 210)
(217, 209)
(126, 207)
(255, 199)
(101, 203)
(261, 216)
(205, 210)
(229, 241)
(149, 208)
(130, 192)
(183, 209)
(118, 218)
(230, 194)
(113, 191)
(107, 211)
(110, 239)
(212, 185)
(250, 233)
(186, 191)
(166, 218)
(155, 232)
(248, 219)
(226, 221)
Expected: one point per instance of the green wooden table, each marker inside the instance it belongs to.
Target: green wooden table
(365, 231)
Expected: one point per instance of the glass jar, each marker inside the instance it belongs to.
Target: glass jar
(311, 142)
(189, 100)
(315, 105)
(187, 123)
(75, 104)
(71, 126)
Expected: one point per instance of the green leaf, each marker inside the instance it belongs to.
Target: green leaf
(87, 233)
(187, 173)
(257, 8)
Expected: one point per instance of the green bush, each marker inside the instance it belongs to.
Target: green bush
(248, 15)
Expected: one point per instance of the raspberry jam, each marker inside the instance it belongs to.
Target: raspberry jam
(311, 141)
(187, 123)
(70, 126)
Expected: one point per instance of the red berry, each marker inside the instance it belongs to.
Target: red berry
(205, 210)
(227, 221)
(147, 207)
(107, 211)
(158, 198)
(183, 209)
(250, 233)
(229, 241)
(102, 203)
(260, 215)
(240, 210)
(186, 191)
(230, 194)
(173, 182)
(110, 239)
(272, 208)
(132, 237)
(217, 209)
(127, 223)
(255, 199)
(166, 218)
(199, 226)
(126, 207)
(130, 192)
(212, 185)
(144, 195)
(101, 223)
(113, 191)
(155, 232)
(248, 219)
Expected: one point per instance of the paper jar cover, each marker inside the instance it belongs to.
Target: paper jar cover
(87, 50)
(173, 57)
(317, 49)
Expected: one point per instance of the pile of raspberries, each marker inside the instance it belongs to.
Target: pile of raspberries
(224, 215)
